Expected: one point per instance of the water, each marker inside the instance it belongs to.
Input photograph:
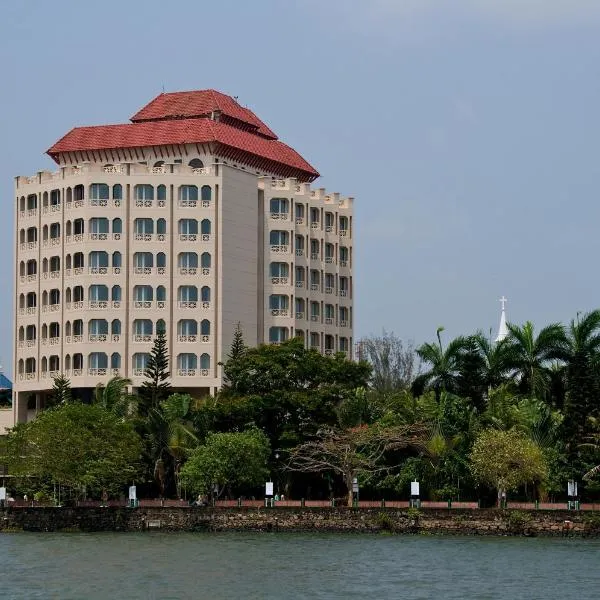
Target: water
(234, 566)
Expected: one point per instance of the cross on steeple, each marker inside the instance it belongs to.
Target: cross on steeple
(503, 301)
(502, 329)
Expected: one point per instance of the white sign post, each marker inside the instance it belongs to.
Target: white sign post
(132, 495)
(414, 494)
(269, 494)
(2, 493)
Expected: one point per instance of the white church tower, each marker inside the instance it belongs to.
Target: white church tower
(502, 329)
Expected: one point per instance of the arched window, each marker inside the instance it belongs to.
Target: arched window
(32, 267)
(161, 227)
(44, 364)
(161, 262)
(315, 249)
(187, 263)
(279, 240)
(187, 364)
(144, 194)
(188, 195)
(98, 227)
(142, 330)
(187, 296)
(68, 363)
(161, 195)
(115, 361)
(161, 294)
(140, 363)
(205, 362)
(78, 261)
(54, 297)
(77, 328)
(196, 163)
(98, 294)
(143, 296)
(21, 334)
(187, 330)
(97, 328)
(115, 328)
(78, 192)
(279, 305)
(68, 329)
(77, 363)
(188, 229)
(54, 231)
(78, 293)
(117, 228)
(99, 194)
(30, 333)
(315, 311)
(279, 208)
(55, 198)
(143, 229)
(205, 229)
(278, 334)
(280, 272)
(205, 261)
(54, 330)
(30, 365)
(117, 191)
(159, 163)
(205, 295)
(115, 294)
(116, 262)
(54, 364)
(45, 200)
(205, 330)
(143, 262)
(206, 195)
(98, 261)
(161, 326)
(97, 363)
(21, 366)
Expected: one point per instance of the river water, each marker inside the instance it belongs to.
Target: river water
(290, 566)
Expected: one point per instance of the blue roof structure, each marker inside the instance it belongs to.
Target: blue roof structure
(5, 382)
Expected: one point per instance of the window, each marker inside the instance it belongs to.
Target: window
(188, 193)
(205, 362)
(187, 262)
(187, 293)
(161, 261)
(329, 344)
(329, 314)
(329, 221)
(279, 272)
(55, 198)
(98, 293)
(78, 260)
(161, 227)
(187, 364)
(279, 207)
(31, 300)
(315, 280)
(54, 264)
(343, 256)
(196, 163)
(205, 261)
(97, 361)
(115, 327)
(143, 227)
(140, 363)
(343, 314)
(98, 261)
(187, 328)
(31, 267)
(161, 326)
(205, 329)
(161, 194)
(99, 228)
(117, 192)
(343, 226)
(54, 231)
(30, 365)
(115, 361)
(314, 217)
(99, 191)
(54, 297)
(344, 288)
(77, 327)
(315, 341)
(142, 330)
(315, 311)
(206, 194)
(279, 240)
(329, 253)
(77, 362)
(188, 229)
(115, 293)
(31, 202)
(299, 245)
(205, 294)
(78, 293)
(161, 294)
(329, 283)
(143, 294)
(96, 328)
(78, 227)
(299, 213)
(344, 346)
(279, 304)
(30, 333)
(144, 192)
(116, 261)
(299, 308)
(315, 249)
(54, 330)
(143, 261)
(278, 334)
(205, 229)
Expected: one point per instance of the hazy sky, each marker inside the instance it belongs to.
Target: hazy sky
(468, 134)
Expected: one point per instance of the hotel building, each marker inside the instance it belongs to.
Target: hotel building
(192, 218)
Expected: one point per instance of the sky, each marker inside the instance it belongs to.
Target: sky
(466, 130)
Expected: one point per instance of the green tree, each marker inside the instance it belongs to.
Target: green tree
(114, 397)
(234, 461)
(506, 460)
(445, 365)
(76, 445)
(157, 386)
(529, 356)
(61, 392)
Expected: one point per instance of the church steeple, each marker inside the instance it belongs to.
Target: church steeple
(502, 329)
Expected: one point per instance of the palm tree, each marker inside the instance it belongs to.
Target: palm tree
(494, 360)
(445, 364)
(115, 397)
(582, 360)
(529, 356)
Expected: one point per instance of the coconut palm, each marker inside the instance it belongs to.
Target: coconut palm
(494, 360)
(115, 397)
(445, 365)
(529, 356)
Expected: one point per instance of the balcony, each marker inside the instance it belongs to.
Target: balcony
(279, 280)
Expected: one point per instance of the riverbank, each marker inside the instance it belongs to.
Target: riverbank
(339, 519)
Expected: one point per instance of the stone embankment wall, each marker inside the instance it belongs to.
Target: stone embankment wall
(369, 520)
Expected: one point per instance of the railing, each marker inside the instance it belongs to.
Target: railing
(329, 352)
(53, 341)
(97, 372)
(329, 260)
(205, 339)
(343, 323)
(188, 203)
(116, 304)
(343, 293)
(206, 237)
(158, 170)
(328, 228)
(187, 338)
(186, 372)
(299, 315)
(315, 318)
(299, 220)
(142, 338)
(117, 270)
(143, 237)
(161, 304)
(343, 232)
(98, 201)
(98, 304)
(299, 252)
(115, 337)
(314, 225)
(279, 312)
(329, 290)
(187, 304)
(142, 270)
(279, 280)
(343, 263)
(116, 236)
(144, 203)
(188, 237)
(98, 270)
(97, 337)
(279, 248)
(142, 304)
(188, 270)
(113, 169)
(315, 287)
(300, 283)
(138, 372)
(282, 216)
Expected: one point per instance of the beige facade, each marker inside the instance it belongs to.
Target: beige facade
(108, 252)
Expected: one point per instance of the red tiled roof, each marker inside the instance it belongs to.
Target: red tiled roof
(200, 103)
(279, 157)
